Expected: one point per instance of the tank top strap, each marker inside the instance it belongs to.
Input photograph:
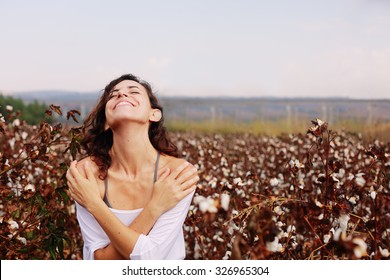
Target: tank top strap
(156, 167)
(105, 199)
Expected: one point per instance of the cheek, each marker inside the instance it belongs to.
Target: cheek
(107, 111)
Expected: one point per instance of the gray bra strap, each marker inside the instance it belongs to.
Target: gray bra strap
(105, 199)
(156, 168)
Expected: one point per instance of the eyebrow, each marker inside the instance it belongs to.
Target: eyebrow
(129, 87)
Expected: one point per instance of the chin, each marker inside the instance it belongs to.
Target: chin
(126, 121)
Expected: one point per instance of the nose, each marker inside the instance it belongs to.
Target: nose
(120, 94)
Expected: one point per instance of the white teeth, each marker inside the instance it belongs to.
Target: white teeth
(123, 103)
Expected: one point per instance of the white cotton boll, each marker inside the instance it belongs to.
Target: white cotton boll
(29, 187)
(299, 164)
(321, 216)
(278, 210)
(335, 178)
(12, 143)
(9, 108)
(361, 249)
(352, 200)
(274, 246)
(16, 122)
(343, 221)
(336, 235)
(319, 122)
(274, 182)
(373, 195)
(318, 204)
(291, 187)
(326, 238)
(225, 200)
(13, 224)
(212, 209)
(240, 192)
(237, 181)
(203, 206)
(23, 240)
(197, 249)
(234, 226)
(198, 199)
(224, 162)
(208, 205)
(291, 228)
(279, 224)
(227, 256)
(384, 252)
(341, 173)
(360, 181)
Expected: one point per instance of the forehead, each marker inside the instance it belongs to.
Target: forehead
(128, 84)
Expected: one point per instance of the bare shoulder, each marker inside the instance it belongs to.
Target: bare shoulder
(81, 165)
(173, 162)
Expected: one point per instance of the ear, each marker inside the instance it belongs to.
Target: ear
(155, 115)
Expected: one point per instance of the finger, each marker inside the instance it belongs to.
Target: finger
(70, 179)
(70, 189)
(75, 173)
(189, 183)
(165, 174)
(72, 168)
(88, 170)
(189, 190)
(186, 175)
(70, 185)
(178, 170)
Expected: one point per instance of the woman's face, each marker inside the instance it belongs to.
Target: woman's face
(129, 101)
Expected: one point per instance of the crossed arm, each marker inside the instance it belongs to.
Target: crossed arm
(169, 189)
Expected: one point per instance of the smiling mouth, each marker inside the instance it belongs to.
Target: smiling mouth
(124, 103)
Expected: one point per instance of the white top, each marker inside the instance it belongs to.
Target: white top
(165, 241)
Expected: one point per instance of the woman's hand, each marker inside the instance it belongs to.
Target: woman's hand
(83, 189)
(172, 187)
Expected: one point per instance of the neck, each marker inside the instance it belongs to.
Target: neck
(132, 152)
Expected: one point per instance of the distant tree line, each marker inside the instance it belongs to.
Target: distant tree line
(32, 113)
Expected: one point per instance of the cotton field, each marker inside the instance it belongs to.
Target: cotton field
(315, 195)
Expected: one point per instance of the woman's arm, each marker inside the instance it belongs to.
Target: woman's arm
(168, 191)
(162, 240)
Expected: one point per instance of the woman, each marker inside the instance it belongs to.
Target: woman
(132, 193)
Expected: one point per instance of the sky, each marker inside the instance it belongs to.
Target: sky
(281, 48)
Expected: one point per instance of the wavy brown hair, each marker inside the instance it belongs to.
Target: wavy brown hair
(97, 141)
